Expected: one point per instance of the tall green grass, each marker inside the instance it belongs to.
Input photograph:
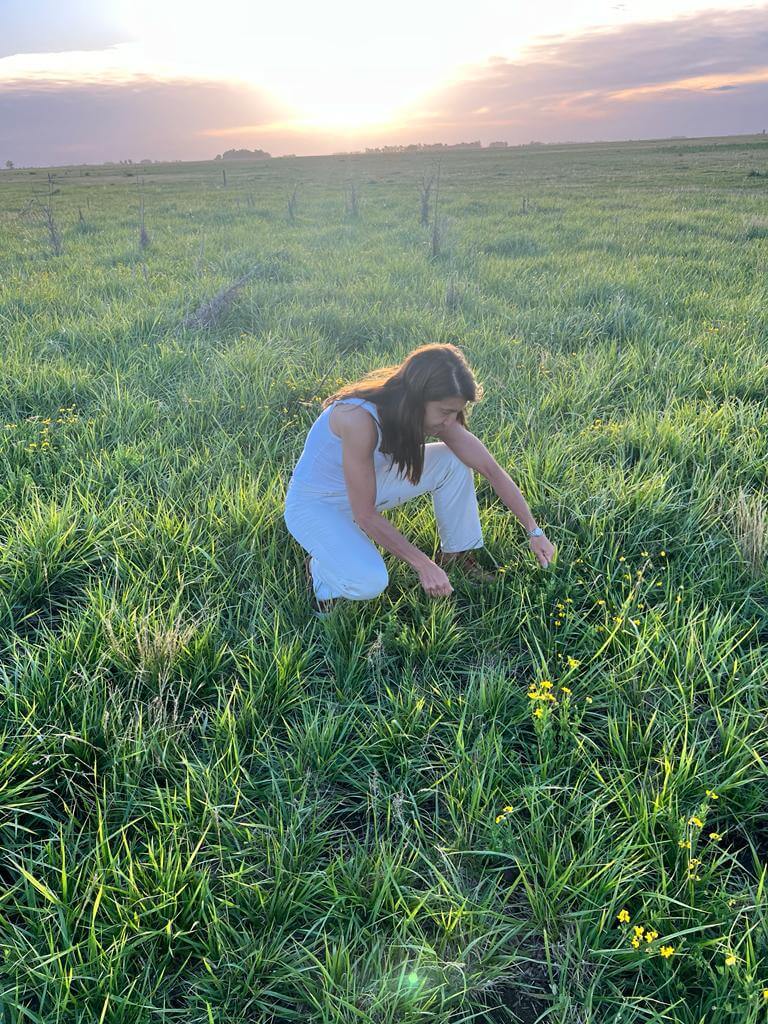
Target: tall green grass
(216, 807)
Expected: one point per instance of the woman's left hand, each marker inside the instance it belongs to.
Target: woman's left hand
(543, 549)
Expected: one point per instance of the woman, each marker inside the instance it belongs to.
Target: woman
(366, 452)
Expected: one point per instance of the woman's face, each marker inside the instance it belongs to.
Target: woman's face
(442, 413)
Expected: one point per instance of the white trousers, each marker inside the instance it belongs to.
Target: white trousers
(345, 561)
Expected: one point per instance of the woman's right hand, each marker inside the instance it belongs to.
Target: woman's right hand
(434, 580)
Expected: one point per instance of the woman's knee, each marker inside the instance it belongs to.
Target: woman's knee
(366, 587)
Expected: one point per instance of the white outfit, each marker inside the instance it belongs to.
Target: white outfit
(345, 561)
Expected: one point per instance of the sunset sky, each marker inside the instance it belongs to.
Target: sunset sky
(96, 80)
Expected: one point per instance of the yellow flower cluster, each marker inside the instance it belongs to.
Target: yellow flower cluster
(505, 812)
(642, 934)
(561, 610)
(697, 822)
(541, 694)
(43, 444)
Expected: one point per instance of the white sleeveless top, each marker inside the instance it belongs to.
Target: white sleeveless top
(319, 471)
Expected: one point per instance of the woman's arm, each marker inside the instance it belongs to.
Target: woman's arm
(358, 440)
(473, 453)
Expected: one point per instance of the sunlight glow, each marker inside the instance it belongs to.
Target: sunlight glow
(346, 65)
(338, 66)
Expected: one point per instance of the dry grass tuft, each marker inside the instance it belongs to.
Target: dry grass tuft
(211, 312)
(750, 529)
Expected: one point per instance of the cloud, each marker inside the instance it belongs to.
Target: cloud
(145, 118)
(646, 77)
(700, 75)
(76, 24)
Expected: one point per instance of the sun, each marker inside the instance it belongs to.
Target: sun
(343, 67)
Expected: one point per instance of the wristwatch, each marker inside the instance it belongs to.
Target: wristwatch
(535, 532)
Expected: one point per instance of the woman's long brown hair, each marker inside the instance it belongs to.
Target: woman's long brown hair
(429, 373)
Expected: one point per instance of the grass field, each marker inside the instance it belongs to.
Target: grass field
(217, 808)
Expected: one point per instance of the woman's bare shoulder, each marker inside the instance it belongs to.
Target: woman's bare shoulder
(352, 420)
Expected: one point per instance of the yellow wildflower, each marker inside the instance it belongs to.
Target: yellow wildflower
(538, 712)
(667, 951)
(730, 960)
(573, 662)
(685, 843)
(508, 808)
(498, 818)
(623, 915)
(636, 942)
(638, 930)
(765, 993)
(651, 935)
(711, 794)
(693, 820)
(546, 684)
(565, 689)
(717, 836)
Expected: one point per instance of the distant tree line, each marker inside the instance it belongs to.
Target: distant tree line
(425, 147)
(243, 154)
(421, 147)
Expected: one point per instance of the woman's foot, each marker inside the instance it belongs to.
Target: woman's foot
(465, 560)
(319, 608)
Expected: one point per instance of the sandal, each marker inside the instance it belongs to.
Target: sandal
(319, 608)
(465, 560)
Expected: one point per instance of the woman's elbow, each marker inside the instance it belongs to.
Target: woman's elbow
(365, 517)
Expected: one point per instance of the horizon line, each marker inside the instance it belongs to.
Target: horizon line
(380, 151)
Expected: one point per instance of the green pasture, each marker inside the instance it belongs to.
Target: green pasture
(215, 807)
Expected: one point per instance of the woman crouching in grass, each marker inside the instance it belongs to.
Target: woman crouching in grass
(366, 452)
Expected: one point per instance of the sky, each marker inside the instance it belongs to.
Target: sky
(89, 81)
